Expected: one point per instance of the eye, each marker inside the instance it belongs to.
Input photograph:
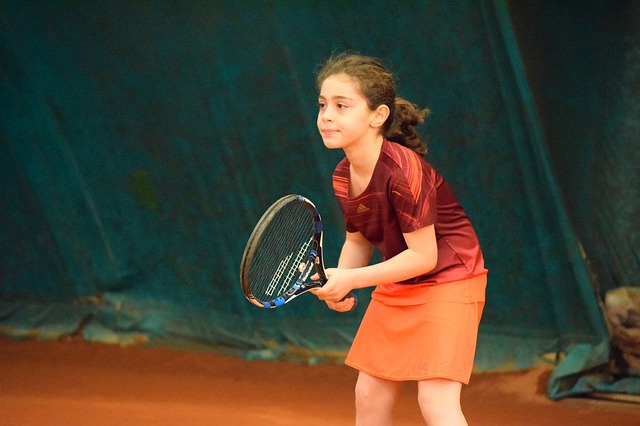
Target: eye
(341, 106)
(321, 105)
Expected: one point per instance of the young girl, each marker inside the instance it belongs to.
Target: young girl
(422, 322)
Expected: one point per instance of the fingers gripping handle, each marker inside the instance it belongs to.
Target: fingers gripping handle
(352, 295)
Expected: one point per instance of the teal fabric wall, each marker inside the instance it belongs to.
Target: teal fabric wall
(141, 141)
(582, 61)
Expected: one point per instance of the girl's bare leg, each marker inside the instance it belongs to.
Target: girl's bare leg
(439, 401)
(375, 399)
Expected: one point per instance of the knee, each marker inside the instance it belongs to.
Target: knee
(375, 394)
(364, 395)
(429, 398)
(439, 402)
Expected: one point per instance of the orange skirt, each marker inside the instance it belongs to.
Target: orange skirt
(425, 332)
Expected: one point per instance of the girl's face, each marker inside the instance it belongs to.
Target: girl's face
(344, 118)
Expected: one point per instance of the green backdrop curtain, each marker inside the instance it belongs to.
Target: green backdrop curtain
(140, 142)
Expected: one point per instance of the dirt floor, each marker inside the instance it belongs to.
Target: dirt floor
(78, 383)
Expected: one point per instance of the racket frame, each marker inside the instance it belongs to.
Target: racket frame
(315, 257)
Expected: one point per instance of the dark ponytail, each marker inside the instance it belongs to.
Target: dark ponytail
(401, 125)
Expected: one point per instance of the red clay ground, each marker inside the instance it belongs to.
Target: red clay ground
(77, 383)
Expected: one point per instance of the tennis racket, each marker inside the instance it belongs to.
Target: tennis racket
(282, 251)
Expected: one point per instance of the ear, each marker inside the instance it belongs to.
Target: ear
(379, 116)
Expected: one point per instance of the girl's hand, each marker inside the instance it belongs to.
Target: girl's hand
(344, 306)
(339, 284)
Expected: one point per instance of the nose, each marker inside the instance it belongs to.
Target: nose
(325, 114)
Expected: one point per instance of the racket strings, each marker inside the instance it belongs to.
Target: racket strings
(282, 253)
(295, 269)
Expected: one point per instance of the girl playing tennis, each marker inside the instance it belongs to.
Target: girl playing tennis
(422, 322)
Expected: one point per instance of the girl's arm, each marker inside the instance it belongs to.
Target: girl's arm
(419, 258)
(356, 251)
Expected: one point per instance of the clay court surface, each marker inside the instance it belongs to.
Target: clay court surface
(78, 383)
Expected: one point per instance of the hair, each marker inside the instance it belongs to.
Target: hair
(377, 85)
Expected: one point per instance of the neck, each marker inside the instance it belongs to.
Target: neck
(364, 158)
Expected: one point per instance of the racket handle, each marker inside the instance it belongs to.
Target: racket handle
(355, 300)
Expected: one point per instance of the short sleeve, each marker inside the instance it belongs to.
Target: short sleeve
(413, 195)
(340, 180)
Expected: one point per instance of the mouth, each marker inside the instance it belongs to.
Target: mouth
(328, 132)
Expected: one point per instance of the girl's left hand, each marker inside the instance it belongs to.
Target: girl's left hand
(345, 305)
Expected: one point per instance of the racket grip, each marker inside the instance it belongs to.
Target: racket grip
(355, 300)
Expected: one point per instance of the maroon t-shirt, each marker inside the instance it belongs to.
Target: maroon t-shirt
(406, 193)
